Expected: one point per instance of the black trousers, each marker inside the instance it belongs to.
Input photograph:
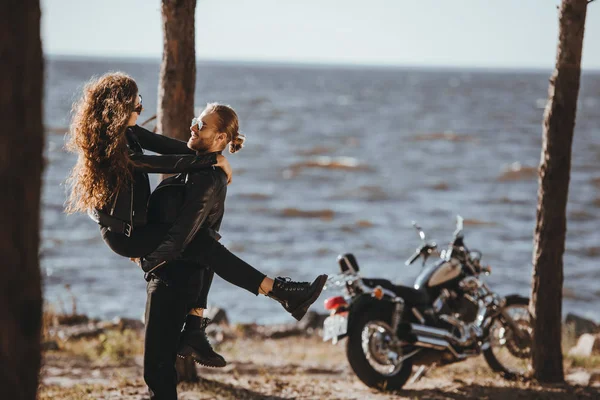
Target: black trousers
(172, 291)
(143, 240)
(202, 252)
(167, 305)
(175, 289)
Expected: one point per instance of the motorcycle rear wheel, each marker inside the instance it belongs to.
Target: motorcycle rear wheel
(498, 354)
(368, 330)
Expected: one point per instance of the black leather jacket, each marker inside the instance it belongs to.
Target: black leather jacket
(130, 204)
(202, 208)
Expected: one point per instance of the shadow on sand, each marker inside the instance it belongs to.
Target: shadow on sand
(222, 390)
(473, 391)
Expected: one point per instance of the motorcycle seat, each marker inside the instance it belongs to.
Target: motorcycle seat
(410, 295)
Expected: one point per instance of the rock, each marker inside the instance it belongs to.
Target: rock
(215, 334)
(77, 331)
(217, 315)
(280, 331)
(312, 320)
(128, 323)
(70, 319)
(584, 346)
(580, 377)
(49, 345)
(595, 378)
(581, 325)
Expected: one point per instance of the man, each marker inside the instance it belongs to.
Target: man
(176, 284)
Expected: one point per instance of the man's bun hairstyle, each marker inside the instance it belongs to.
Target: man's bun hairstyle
(227, 123)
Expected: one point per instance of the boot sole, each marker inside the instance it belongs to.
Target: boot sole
(299, 312)
(186, 352)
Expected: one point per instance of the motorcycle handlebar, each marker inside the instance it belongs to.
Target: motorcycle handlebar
(414, 257)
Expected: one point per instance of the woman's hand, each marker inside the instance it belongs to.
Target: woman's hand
(224, 165)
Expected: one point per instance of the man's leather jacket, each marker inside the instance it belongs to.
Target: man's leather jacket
(202, 209)
(130, 204)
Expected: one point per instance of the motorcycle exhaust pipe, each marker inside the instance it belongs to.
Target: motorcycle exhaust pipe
(431, 343)
(428, 337)
(427, 331)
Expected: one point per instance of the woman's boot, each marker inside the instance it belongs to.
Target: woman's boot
(296, 297)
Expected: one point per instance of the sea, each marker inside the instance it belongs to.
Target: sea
(342, 159)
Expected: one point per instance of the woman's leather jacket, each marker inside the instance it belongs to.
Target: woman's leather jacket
(129, 206)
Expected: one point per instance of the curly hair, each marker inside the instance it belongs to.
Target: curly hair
(97, 136)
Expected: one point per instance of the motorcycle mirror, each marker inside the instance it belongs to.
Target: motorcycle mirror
(459, 225)
(419, 230)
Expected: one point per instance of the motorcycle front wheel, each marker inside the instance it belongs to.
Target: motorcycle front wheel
(508, 354)
(373, 354)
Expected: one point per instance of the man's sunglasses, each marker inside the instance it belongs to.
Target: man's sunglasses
(138, 109)
(197, 122)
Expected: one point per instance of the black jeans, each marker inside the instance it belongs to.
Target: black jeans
(207, 251)
(168, 303)
(143, 240)
(204, 250)
(173, 291)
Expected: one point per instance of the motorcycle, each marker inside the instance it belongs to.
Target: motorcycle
(448, 315)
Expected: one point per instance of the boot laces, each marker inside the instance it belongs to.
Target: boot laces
(289, 285)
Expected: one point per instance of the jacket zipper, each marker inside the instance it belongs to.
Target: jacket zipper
(131, 209)
(156, 266)
(112, 210)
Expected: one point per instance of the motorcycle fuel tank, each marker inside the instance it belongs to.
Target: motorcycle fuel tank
(446, 272)
(438, 274)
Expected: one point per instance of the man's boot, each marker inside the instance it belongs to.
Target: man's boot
(296, 297)
(194, 343)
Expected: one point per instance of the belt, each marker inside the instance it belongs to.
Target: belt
(112, 223)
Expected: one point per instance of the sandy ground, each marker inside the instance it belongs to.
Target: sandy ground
(290, 368)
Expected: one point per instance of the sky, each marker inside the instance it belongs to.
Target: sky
(437, 33)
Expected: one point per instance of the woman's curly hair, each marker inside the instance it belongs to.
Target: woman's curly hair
(97, 136)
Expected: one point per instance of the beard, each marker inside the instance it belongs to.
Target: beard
(198, 144)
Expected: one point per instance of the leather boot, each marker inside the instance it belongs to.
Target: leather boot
(194, 343)
(296, 297)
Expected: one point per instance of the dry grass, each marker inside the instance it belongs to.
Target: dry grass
(113, 346)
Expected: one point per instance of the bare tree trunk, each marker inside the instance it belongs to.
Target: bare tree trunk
(21, 143)
(176, 94)
(178, 69)
(554, 171)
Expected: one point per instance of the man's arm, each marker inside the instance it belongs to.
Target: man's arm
(201, 193)
(171, 163)
(159, 143)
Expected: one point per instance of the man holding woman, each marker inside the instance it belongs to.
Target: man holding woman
(179, 258)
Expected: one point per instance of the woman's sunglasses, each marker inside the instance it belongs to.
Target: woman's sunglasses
(138, 109)
(197, 122)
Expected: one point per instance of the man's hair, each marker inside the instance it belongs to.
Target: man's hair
(227, 122)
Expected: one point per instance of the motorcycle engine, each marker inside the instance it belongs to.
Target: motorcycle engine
(451, 303)
(467, 309)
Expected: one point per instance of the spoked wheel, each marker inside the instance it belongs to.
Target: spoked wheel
(509, 353)
(374, 353)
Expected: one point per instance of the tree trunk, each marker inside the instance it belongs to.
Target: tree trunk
(555, 165)
(176, 94)
(178, 69)
(21, 143)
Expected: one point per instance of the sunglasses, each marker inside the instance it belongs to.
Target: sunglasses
(138, 109)
(197, 122)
